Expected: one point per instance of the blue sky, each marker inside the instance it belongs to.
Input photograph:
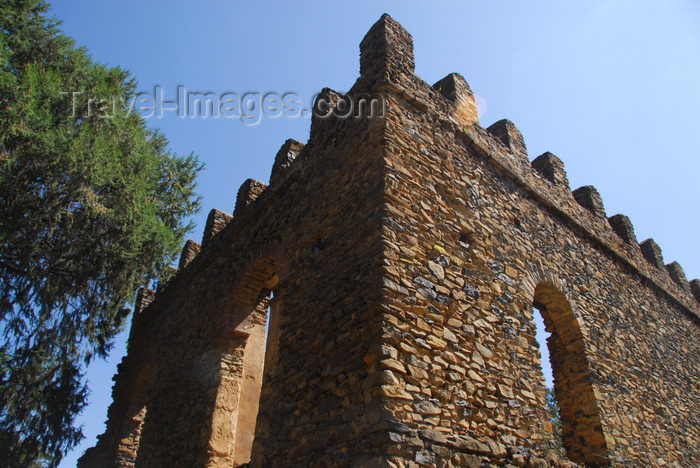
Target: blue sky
(610, 87)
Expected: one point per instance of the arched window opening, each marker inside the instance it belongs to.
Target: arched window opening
(542, 336)
(554, 426)
(582, 432)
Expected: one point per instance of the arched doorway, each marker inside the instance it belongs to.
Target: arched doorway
(582, 431)
(246, 350)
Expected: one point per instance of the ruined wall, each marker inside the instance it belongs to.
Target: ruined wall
(313, 239)
(480, 236)
(405, 255)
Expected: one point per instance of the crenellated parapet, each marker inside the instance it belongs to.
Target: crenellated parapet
(387, 64)
(396, 261)
(615, 235)
(508, 134)
(387, 41)
(216, 222)
(622, 226)
(189, 252)
(456, 90)
(652, 253)
(695, 288)
(589, 198)
(283, 161)
(551, 168)
(143, 298)
(249, 191)
(386, 52)
(678, 275)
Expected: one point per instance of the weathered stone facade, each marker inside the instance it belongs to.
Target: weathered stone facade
(400, 257)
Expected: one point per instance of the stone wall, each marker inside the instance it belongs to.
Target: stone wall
(400, 259)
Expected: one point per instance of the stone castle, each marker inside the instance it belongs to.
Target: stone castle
(396, 258)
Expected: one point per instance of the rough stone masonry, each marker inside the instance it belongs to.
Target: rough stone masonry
(396, 259)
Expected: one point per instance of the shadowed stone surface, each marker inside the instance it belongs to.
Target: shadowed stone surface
(551, 168)
(247, 193)
(456, 90)
(622, 226)
(589, 198)
(695, 288)
(386, 51)
(510, 136)
(284, 159)
(677, 274)
(216, 222)
(189, 251)
(652, 253)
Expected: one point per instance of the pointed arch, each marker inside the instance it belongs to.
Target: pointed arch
(583, 435)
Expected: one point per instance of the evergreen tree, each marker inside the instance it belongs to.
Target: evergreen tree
(91, 208)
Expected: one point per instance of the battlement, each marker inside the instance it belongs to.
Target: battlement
(397, 260)
(387, 63)
(386, 52)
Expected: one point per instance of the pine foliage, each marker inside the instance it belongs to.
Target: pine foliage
(91, 208)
